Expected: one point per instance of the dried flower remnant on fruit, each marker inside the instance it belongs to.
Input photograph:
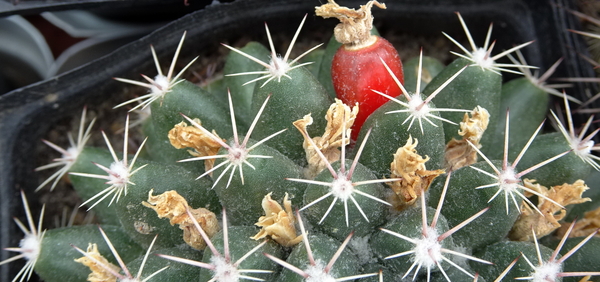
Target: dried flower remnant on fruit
(410, 166)
(545, 223)
(458, 152)
(174, 207)
(331, 141)
(584, 226)
(278, 223)
(98, 265)
(188, 136)
(355, 27)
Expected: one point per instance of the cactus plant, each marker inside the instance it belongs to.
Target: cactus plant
(252, 152)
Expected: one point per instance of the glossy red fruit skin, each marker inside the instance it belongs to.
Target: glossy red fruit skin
(356, 72)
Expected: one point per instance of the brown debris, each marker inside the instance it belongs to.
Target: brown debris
(355, 27)
(331, 140)
(174, 207)
(409, 166)
(277, 222)
(99, 272)
(545, 223)
(458, 152)
(184, 136)
(589, 224)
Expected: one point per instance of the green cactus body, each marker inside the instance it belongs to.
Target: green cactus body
(345, 216)
(188, 99)
(504, 253)
(584, 259)
(431, 67)
(176, 272)
(473, 87)
(87, 188)
(482, 200)
(192, 101)
(323, 249)
(291, 99)
(388, 133)
(159, 148)
(241, 91)
(463, 200)
(324, 75)
(240, 244)
(217, 87)
(55, 260)
(527, 105)
(410, 224)
(142, 223)
(313, 60)
(566, 169)
(455, 274)
(242, 198)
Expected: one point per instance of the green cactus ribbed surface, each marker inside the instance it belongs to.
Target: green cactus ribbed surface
(362, 232)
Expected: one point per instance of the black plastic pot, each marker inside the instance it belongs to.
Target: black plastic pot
(110, 8)
(26, 114)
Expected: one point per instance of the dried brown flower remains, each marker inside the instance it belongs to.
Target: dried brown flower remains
(98, 265)
(585, 226)
(278, 223)
(410, 166)
(339, 118)
(458, 152)
(174, 207)
(546, 222)
(355, 27)
(184, 136)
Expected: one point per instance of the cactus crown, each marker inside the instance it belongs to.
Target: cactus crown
(376, 177)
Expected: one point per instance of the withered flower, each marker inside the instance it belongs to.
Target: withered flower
(98, 265)
(174, 207)
(355, 24)
(546, 220)
(339, 118)
(458, 152)
(410, 166)
(184, 136)
(584, 226)
(278, 223)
